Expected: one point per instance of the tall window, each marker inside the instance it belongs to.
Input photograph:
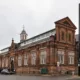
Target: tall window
(43, 57)
(61, 56)
(33, 58)
(69, 37)
(62, 35)
(6, 61)
(25, 59)
(19, 60)
(2, 62)
(71, 58)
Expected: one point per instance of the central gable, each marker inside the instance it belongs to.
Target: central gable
(67, 22)
(65, 31)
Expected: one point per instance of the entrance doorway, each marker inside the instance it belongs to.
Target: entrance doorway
(12, 63)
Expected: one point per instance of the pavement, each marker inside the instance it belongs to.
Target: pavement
(68, 77)
(74, 77)
(39, 77)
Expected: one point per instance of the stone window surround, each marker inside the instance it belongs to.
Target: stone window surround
(61, 56)
(33, 57)
(71, 57)
(19, 60)
(43, 56)
(25, 59)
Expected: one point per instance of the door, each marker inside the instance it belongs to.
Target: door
(12, 63)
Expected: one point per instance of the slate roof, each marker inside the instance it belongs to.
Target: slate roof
(34, 43)
(39, 35)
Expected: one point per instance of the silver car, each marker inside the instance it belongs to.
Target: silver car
(5, 71)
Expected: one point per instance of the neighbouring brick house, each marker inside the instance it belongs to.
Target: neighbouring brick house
(54, 50)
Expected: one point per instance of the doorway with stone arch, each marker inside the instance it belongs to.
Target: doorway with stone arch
(12, 64)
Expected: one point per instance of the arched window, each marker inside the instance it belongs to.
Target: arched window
(62, 35)
(69, 38)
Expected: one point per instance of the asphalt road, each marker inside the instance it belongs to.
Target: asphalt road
(21, 77)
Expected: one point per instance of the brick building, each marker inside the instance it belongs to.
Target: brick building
(54, 50)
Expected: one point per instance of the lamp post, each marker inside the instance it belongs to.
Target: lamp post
(79, 46)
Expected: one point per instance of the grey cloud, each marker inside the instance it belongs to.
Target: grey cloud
(37, 17)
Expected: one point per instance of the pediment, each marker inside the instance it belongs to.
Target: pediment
(67, 22)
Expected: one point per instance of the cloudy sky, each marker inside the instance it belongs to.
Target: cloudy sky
(36, 15)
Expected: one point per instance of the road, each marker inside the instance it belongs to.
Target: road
(21, 77)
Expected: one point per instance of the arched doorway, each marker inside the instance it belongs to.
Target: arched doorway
(12, 64)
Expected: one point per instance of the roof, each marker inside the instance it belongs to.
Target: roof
(34, 43)
(5, 48)
(66, 21)
(39, 35)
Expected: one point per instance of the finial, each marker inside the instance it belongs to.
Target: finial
(12, 39)
(23, 27)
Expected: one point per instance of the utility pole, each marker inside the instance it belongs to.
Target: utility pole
(79, 46)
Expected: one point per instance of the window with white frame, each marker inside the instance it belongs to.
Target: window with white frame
(43, 57)
(33, 58)
(6, 62)
(71, 57)
(19, 60)
(2, 62)
(61, 56)
(25, 59)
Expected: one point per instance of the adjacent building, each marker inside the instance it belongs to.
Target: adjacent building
(53, 50)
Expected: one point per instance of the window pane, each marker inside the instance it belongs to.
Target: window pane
(61, 56)
(19, 60)
(71, 57)
(33, 58)
(6, 62)
(25, 59)
(43, 57)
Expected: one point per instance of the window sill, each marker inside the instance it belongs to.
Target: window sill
(70, 64)
(43, 64)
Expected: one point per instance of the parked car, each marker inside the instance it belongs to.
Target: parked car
(5, 71)
(1, 70)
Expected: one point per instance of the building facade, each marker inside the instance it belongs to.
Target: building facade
(53, 50)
